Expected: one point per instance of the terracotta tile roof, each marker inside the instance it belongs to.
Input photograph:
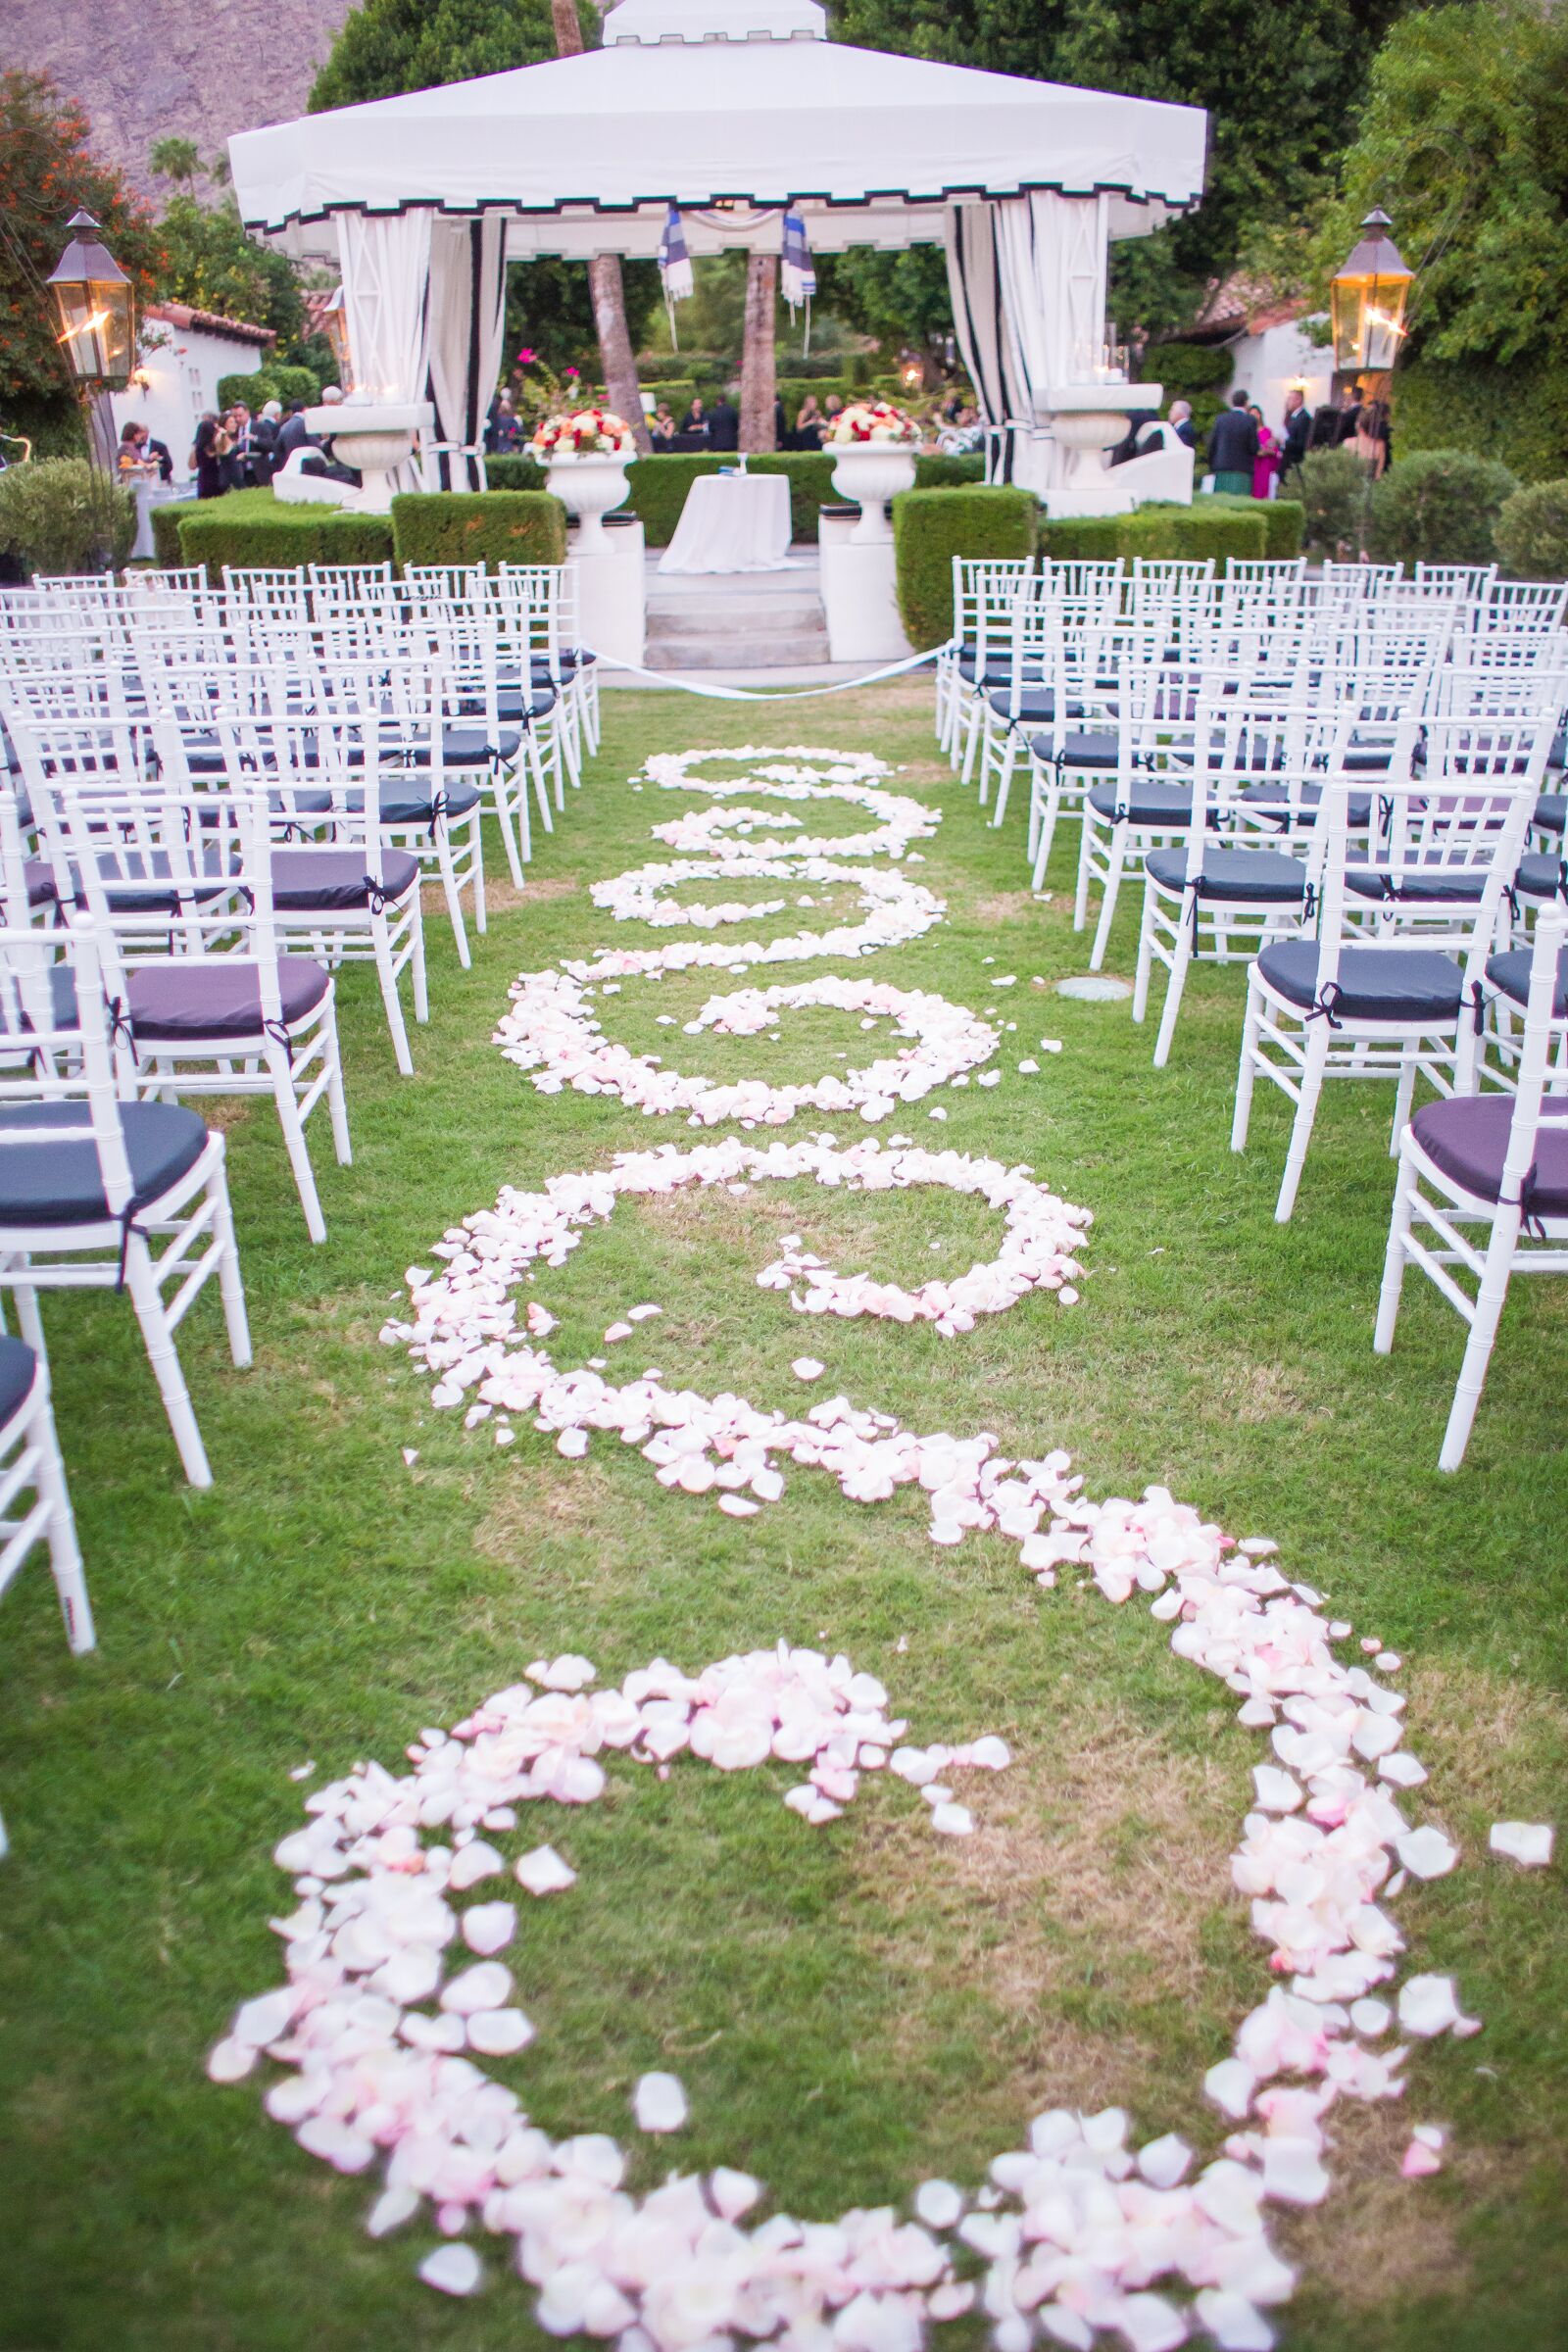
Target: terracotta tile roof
(181, 315)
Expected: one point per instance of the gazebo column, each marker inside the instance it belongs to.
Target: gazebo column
(385, 261)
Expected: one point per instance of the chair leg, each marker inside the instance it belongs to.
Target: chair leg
(1009, 760)
(231, 1282)
(476, 872)
(1489, 1303)
(299, 1157)
(391, 1001)
(501, 795)
(1403, 1095)
(1395, 1259)
(1049, 810)
(1246, 1070)
(1107, 906)
(422, 982)
(337, 1109)
(142, 1283)
(1146, 951)
(449, 889)
(65, 1552)
(1080, 904)
(1311, 1086)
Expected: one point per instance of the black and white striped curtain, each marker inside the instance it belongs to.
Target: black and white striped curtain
(468, 316)
(987, 344)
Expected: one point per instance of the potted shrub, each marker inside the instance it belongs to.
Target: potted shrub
(1532, 532)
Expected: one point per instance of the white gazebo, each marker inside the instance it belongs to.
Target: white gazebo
(733, 110)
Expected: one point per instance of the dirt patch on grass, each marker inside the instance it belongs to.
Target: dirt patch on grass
(1257, 1392)
(1006, 907)
(1082, 1897)
(1379, 2239)
(226, 1113)
(502, 896)
(542, 1502)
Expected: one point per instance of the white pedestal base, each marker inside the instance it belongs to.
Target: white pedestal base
(1084, 498)
(859, 593)
(612, 594)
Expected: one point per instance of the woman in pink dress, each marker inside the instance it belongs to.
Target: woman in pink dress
(1267, 463)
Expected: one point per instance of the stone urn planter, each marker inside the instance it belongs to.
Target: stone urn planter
(589, 483)
(375, 438)
(870, 473)
(1086, 420)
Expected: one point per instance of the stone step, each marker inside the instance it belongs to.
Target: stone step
(735, 649)
(740, 619)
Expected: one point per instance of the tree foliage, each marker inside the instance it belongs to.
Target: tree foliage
(46, 173)
(1281, 93)
(1464, 141)
(211, 263)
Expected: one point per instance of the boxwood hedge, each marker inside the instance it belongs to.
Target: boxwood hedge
(251, 528)
(658, 486)
(932, 526)
(489, 527)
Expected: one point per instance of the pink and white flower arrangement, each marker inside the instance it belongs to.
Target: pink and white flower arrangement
(872, 420)
(583, 433)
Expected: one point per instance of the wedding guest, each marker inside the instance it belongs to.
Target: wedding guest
(1180, 422)
(237, 474)
(292, 434)
(1325, 427)
(1371, 442)
(1231, 448)
(209, 450)
(661, 426)
(264, 441)
(723, 423)
(1297, 432)
(695, 419)
(502, 431)
(1267, 463)
(131, 456)
(808, 423)
(832, 409)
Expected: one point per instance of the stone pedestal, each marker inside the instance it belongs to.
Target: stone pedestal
(612, 594)
(861, 598)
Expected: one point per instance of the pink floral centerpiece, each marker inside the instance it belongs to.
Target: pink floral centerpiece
(586, 451)
(874, 452)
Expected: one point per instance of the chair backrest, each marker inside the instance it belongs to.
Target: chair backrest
(1539, 1097)
(69, 1057)
(279, 589)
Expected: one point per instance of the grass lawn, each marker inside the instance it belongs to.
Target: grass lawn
(850, 2009)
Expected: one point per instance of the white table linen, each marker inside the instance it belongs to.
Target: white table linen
(732, 522)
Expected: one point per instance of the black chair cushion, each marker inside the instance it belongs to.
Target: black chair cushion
(1166, 805)
(1509, 975)
(44, 1183)
(1240, 877)
(1467, 1139)
(1419, 886)
(1551, 810)
(63, 1000)
(406, 804)
(323, 881)
(1037, 704)
(1263, 796)
(1540, 875)
(1404, 985)
(17, 1366)
(509, 703)
(216, 997)
(40, 882)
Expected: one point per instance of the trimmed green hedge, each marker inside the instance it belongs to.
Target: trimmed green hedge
(166, 522)
(473, 526)
(1284, 520)
(1439, 506)
(276, 381)
(932, 526)
(1517, 415)
(1533, 532)
(1191, 534)
(513, 473)
(253, 530)
(658, 486)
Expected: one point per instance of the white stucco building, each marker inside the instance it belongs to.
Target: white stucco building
(183, 354)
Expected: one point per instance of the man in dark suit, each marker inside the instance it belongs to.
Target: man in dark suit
(292, 434)
(1180, 422)
(1232, 447)
(1298, 430)
(723, 423)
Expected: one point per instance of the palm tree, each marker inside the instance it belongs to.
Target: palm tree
(758, 370)
(604, 286)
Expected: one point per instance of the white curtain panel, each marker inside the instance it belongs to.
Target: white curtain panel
(468, 320)
(386, 309)
(1051, 259)
(984, 344)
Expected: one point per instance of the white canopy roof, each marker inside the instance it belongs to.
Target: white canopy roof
(728, 108)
